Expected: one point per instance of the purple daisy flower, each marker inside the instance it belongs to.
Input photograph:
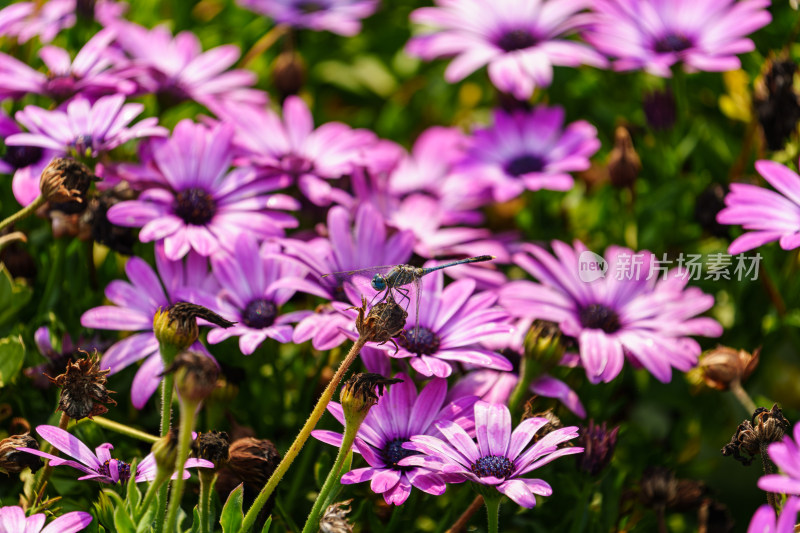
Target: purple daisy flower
(772, 216)
(250, 296)
(500, 457)
(296, 151)
(136, 303)
(26, 163)
(399, 415)
(765, 521)
(13, 520)
(195, 203)
(520, 41)
(530, 150)
(644, 318)
(26, 20)
(178, 69)
(91, 73)
(337, 16)
(786, 455)
(656, 34)
(99, 466)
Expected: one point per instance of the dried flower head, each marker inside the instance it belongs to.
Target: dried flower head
(359, 392)
(251, 462)
(118, 238)
(723, 365)
(177, 325)
(623, 162)
(598, 443)
(334, 520)
(776, 102)
(195, 375)
(13, 461)
(752, 436)
(65, 182)
(553, 422)
(384, 321)
(288, 73)
(83, 388)
(212, 446)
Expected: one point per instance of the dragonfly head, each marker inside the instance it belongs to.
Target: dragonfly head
(378, 282)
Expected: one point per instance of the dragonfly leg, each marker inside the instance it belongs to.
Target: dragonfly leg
(404, 293)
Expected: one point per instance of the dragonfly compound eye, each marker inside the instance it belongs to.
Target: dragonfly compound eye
(378, 283)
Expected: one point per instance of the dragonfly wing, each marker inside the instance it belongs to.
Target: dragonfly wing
(367, 272)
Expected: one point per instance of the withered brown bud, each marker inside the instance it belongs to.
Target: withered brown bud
(776, 102)
(288, 73)
(83, 388)
(623, 162)
(118, 238)
(722, 366)
(658, 487)
(384, 321)
(334, 520)
(659, 109)
(359, 392)
(64, 183)
(212, 446)
(251, 462)
(598, 443)
(707, 205)
(195, 375)
(753, 436)
(553, 422)
(13, 461)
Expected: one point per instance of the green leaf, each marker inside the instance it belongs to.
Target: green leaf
(195, 520)
(134, 496)
(12, 353)
(145, 524)
(122, 522)
(232, 515)
(13, 295)
(267, 524)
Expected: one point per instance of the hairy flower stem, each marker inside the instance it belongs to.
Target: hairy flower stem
(526, 375)
(24, 212)
(32, 491)
(493, 512)
(150, 495)
(741, 395)
(188, 415)
(460, 525)
(772, 499)
(122, 429)
(302, 437)
(312, 522)
(168, 353)
(206, 476)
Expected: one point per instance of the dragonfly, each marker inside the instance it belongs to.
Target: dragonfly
(402, 280)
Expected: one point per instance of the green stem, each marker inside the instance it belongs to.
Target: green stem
(527, 372)
(39, 481)
(122, 429)
(150, 495)
(493, 512)
(23, 213)
(312, 522)
(302, 437)
(167, 386)
(188, 413)
(206, 480)
(742, 396)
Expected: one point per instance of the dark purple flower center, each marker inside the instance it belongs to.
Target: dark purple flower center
(22, 156)
(672, 43)
(259, 314)
(421, 341)
(516, 40)
(123, 468)
(309, 6)
(598, 316)
(83, 144)
(525, 164)
(195, 206)
(394, 452)
(498, 466)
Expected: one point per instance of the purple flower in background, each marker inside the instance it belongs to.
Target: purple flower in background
(178, 69)
(520, 41)
(772, 216)
(195, 203)
(135, 303)
(786, 455)
(25, 162)
(57, 359)
(500, 457)
(337, 16)
(629, 313)
(91, 73)
(26, 20)
(250, 296)
(99, 466)
(764, 520)
(295, 151)
(656, 34)
(530, 150)
(13, 520)
(399, 415)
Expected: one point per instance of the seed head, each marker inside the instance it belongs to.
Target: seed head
(14, 462)
(334, 520)
(64, 183)
(251, 462)
(766, 426)
(212, 446)
(723, 365)
(384, 321)
(195, 375)
(83, 388)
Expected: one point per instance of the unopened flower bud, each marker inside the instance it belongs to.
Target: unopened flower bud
(543, 346)
(288, 73)
(165, 451)
(334, 520)
(177, 325)
(623, 162)
(64, 183)
(14, 462)
(195, 375)
(659, 109)
(598, 443)
(83, 388)
(753, 436)
(212, 446)
(722, 366)
(359, 394)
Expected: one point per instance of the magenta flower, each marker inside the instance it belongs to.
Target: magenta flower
(99, 466)
(250, 296)
(399, 415)
(195, 203)
(25, 162)
(764, 520)
(13, 520)
(786, 455)
(520, 41)
(178, 69)
(530, 150)
(772, 216)
(500, 457)
(625, 314)
(91, 74)
(57, 359)
(136, 302)
(337, 16)
(656, 34)
(295, 151)
(26, 20)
